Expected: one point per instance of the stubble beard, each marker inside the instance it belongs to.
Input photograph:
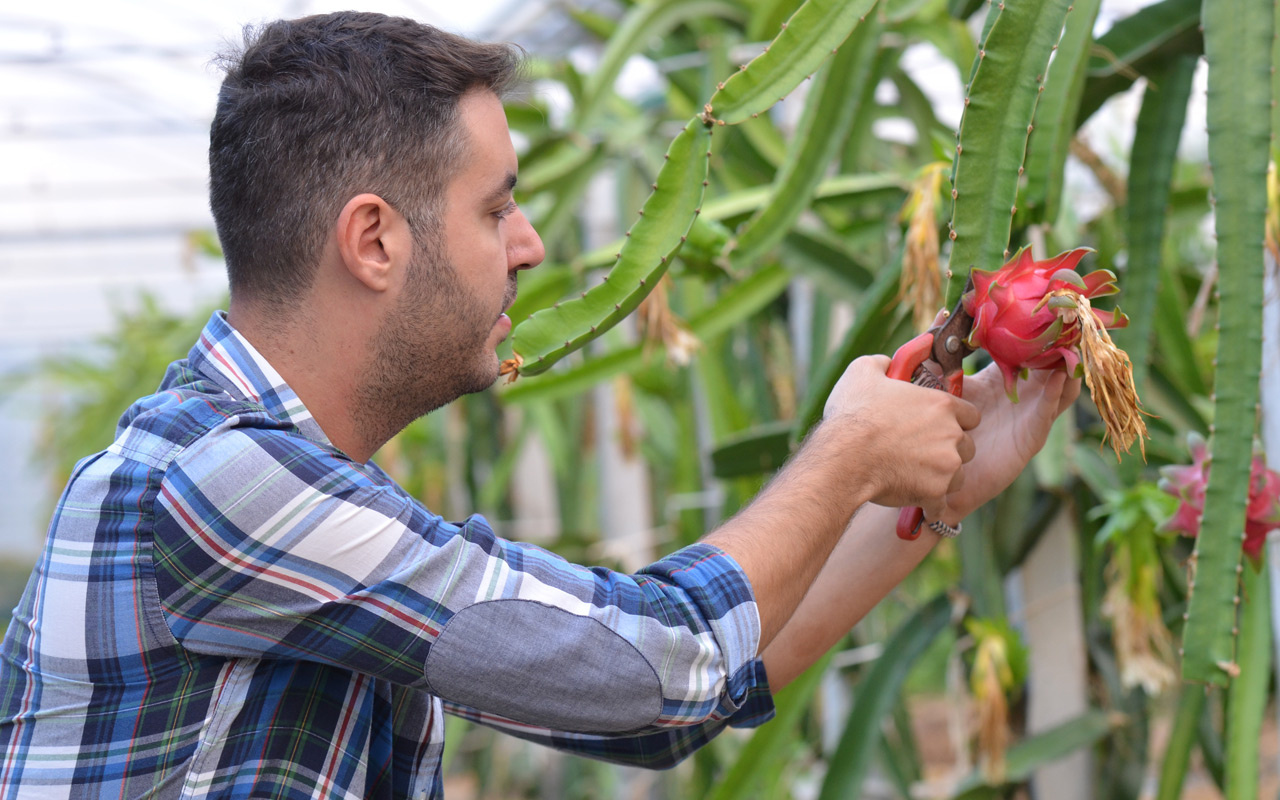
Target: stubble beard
(432, 350)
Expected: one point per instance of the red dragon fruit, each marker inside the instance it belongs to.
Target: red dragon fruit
(1037, 315)
(1016, 321)
(1188, 482)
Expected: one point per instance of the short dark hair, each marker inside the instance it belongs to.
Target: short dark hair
(314, 111)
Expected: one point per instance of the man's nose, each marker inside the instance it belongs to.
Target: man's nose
(526, 250)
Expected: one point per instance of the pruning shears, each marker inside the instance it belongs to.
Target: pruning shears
(946, 346)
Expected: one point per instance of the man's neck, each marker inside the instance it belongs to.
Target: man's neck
(318, 362)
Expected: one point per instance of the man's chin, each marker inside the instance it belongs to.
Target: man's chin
(485, 376)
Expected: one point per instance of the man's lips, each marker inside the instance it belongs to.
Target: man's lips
(508, 300)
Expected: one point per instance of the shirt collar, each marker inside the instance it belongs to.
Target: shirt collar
(224, 356)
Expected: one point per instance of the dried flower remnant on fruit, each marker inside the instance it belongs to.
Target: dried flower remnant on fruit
(920, 286)
(1107, 372)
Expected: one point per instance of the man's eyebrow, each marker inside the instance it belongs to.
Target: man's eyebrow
(503, 189)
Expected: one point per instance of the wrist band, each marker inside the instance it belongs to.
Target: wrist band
(944, 530)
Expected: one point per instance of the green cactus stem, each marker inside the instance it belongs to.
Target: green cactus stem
(824, 125)
(1155, 148)
(805, 41)
(738, 302)
(1238, 48)
(642, 24)
(1247, 700)
(1056, 116)
(650, 245)
(999, 107)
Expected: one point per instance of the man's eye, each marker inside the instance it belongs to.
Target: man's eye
(506, 210)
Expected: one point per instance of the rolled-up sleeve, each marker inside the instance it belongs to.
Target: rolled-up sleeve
(267, 546)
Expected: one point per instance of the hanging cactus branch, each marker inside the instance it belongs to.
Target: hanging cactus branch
(805, 41)
(652, 242)
(1151, 165)
(1056, 112)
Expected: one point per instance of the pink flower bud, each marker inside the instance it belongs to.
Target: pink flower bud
(1188, 482)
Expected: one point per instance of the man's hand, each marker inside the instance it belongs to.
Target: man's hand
(910, 442)
(870, 560)
(1010, 433)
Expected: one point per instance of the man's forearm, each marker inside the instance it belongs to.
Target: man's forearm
(866, 564)
(783, 537)
(870, 560)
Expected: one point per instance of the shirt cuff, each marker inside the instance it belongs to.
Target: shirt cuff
(748, 700)
(715, 583)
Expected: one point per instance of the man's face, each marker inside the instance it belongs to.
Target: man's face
(487, 238)
(440, 342)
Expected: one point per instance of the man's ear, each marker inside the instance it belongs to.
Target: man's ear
(374, 241)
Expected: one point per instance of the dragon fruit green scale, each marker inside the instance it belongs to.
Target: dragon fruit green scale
(1014, 320)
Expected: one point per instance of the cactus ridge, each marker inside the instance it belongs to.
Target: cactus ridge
(650, 245)
(991, 143)
(1238, 42)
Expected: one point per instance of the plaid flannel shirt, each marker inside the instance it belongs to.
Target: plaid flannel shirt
(228, 606)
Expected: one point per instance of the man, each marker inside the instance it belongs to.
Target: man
(235, 602)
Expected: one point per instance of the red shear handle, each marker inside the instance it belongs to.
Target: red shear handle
(909, 356)
(910, 521)
(902, 368)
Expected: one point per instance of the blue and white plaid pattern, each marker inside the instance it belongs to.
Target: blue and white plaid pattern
(228, 606)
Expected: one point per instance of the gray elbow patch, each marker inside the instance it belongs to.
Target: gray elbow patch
(541, 665)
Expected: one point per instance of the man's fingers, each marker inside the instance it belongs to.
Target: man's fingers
(967, 449)
(878, 360)
(1069, 392)
(967, 415)
(957, 482)
(934, 511)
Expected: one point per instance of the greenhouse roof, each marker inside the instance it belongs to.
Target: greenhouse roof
(104, 116)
